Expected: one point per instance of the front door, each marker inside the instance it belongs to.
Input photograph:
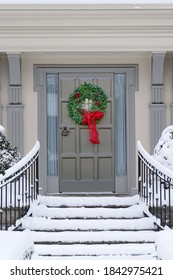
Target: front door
(69, 162)
(86, 167)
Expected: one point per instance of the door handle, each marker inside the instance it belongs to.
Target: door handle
(64, 131)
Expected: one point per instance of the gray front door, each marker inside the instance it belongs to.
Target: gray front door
(86, 167)
(71, 163)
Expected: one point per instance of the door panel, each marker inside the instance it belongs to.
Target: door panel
(85, 167)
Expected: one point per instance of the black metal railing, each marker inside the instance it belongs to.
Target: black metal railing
(155, 185)
(18, 188)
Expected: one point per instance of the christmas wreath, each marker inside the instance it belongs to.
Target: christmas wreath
(86, 106)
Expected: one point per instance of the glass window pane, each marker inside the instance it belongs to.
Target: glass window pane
(52, 124)
(120, 125)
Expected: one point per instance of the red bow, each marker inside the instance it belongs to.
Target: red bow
(90, 118)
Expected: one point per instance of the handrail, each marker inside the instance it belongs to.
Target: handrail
(155, 185)
(18, 188)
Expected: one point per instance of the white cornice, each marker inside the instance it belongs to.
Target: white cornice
(104, 7)
(86, 30)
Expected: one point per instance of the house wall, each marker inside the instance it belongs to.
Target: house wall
(29, 96)
(143, 96)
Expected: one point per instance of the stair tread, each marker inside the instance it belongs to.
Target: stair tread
(79, 250)
(115, 257)
(106, 236)
(88, 201)
(42, 223)
(91, 227)
(134, 211)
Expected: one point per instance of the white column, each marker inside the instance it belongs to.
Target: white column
(157, 106)
(1, 107)
(15, 107)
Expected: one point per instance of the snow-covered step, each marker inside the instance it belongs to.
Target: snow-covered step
(95, 250)
(88, 201)
(47, 224)
(91, 227)
(93, 237)
(41, 210)
(103, 257)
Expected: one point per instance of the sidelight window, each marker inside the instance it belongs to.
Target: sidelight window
(52, 124)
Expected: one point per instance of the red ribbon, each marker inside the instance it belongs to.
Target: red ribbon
(90, 118)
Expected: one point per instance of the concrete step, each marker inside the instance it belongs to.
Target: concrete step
(95, 250)
(46, 224)
(94, 258)
(134, 212)
(88, 201)
(90, 227)
(90, 237)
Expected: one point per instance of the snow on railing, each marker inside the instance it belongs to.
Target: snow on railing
(155, 186)
(18, 188)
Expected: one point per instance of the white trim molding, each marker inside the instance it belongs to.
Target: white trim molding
(84, 28)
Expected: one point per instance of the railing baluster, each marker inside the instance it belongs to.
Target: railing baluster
(29, 183)
(6, 213)
(169, 205)
(18, 189)
(23, 194)
(157, 193)
(157, 185)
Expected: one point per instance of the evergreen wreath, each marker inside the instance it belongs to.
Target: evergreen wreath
(86, 106)
(77, 100)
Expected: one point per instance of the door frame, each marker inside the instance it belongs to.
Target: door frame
(131, 72)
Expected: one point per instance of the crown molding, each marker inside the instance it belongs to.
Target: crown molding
(86, 30)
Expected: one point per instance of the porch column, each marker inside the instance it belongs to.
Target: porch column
(157, 106)
(1, 107)
(15, 107)
(172, 101)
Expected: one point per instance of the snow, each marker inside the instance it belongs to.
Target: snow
(44, 211)
(164, 243)
(21, 163)
(2, 129)
(22, 242)
(152, 160)
(95, 258)
(15, 245)
(77, 249)
(86, 1)
(88, 201)
(37, 223)
(100, 236)
(163, 152)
